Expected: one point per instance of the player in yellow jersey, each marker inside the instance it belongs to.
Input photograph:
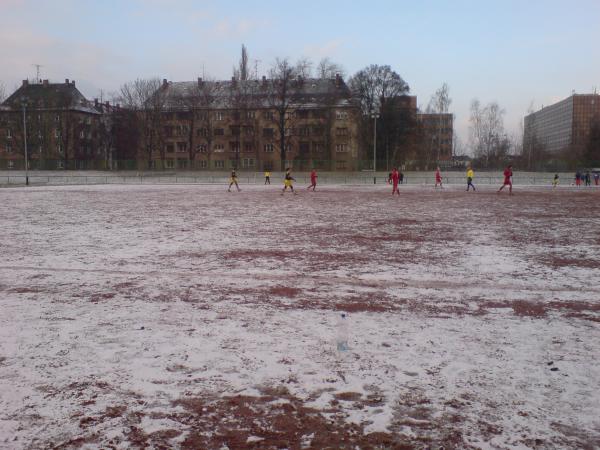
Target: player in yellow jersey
(470, 176)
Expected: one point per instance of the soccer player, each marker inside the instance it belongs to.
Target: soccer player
(596, 178)
(578, 178)
(267, 177)
(555, 181)
(313, 180)
(470, 176)
(438, 179)
(395, 179)
(288, 181)
(233, 180)
(507, 179)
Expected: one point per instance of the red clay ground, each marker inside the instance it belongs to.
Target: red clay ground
(189, 317)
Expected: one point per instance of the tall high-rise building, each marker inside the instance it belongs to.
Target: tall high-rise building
(565, 125)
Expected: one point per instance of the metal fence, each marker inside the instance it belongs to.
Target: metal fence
(350, 178)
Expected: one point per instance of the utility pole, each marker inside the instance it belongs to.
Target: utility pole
(374, 116)
(24, 104)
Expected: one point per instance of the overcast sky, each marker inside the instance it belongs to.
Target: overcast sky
(513, 52)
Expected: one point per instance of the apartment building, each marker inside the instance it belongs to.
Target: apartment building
(565, 125)
(63, 129)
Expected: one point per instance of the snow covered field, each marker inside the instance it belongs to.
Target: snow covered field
(189, 317)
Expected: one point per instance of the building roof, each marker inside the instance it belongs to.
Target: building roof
(50, 96)
(308, 92)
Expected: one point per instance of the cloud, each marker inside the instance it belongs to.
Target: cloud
(21, 48)
(319, 51)
(237, 28)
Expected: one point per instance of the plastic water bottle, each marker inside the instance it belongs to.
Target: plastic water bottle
(342, 333)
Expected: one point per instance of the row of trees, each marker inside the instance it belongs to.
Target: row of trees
(145, 101)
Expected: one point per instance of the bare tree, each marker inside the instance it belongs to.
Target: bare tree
(303, 68)
(327, 69)
(376, 89)
(244, 71)
(440, 101)
(147, 98)
(281, 98)
(487, 137)
(438, 104)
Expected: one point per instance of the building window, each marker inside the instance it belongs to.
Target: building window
(318, 147)
(303, 131)
(219, 164)
(201, 148)
(249, 131)
(82, 134)
(59, 149)
(269, 115)
(341, 148)
(10, 164)
(8, 148)
(269, 148)
(182, 146)
(60, 164)
(250, 114)
(248, 163)
(182, 163)
(340, 165)
(201, 132)
(56, 133)
(169, 163)
(41, 149)
(341, 115)
(219, 148)
(317, 131)
(57, 118)
(203, 164)
(8, 134)
(219, 132)
(341, 131)
(304, 148)
(248, 146)
(268, 132)
(219, 115)
(234, 146)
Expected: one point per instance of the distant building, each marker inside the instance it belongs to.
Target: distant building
(565, 125)
(221, 125)
(438, 134)
(64, 129)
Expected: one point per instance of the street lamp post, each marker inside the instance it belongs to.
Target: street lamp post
(374, 116)
(24, 104)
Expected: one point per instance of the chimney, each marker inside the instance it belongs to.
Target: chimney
(200, 81)
(338, 80)
(264, 80)
(25, 83)
(96, 102)
(73, 83)
(165, 83)
(66, 81)
(45, 83)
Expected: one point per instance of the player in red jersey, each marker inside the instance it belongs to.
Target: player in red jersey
(313, 180)
(507, 179)
(438, 178)
(395, 179)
